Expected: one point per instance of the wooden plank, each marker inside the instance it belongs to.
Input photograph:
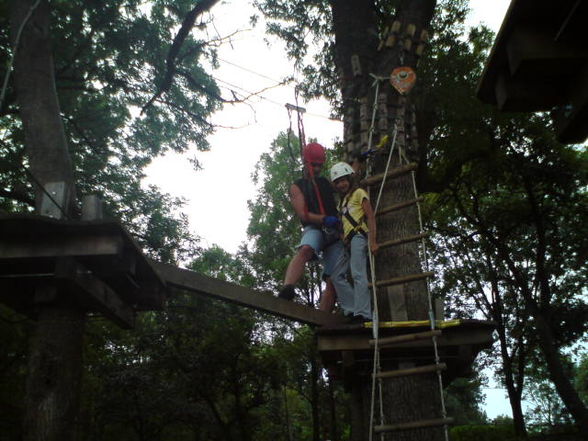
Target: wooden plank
(61, 246)
(394, 173)
(231, 292)
(404, 338)
(412, 371)
(478, 333)
(95, 294)
(404, 279)
(408, 239)
(399, 206)
(533, 52)
(100, 297)
(413, 425)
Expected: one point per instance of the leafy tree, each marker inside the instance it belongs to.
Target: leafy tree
(112, 66)
(464, 399)
(90, 113)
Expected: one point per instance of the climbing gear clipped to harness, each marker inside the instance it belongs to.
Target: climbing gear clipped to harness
(357, 227)
(339, 170)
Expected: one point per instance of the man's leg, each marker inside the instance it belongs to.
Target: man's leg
(296, 266)
(337, 263)
(328, 296)
(310, 243)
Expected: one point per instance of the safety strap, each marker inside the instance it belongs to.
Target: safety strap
(357, 228)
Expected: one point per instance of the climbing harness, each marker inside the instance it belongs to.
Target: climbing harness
(403, 80)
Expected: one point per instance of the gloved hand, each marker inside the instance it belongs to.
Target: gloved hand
(331, 221)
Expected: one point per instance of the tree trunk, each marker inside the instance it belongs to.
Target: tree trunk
(357, 55)
(54, 375)
(34, 80)
(314, 393)
(55, 358)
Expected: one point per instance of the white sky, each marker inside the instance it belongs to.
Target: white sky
(217, 195)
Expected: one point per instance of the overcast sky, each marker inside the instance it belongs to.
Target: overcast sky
(217, 195)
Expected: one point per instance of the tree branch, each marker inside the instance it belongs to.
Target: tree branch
(187, 25)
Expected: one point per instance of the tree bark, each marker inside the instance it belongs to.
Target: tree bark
(54, 375)
(55, 358)
(34, 80)
(357, 55)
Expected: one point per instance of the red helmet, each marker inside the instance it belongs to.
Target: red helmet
(314, 152)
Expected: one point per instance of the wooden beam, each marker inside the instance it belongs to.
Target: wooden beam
(533, 53)
(408, 239)
(474, 333)
(198, 283)
(404, 279)
(399, 206)
(571, 121)
(61, 246)
(413, 425)
(385, 341)
(526, 95)
(92, 293)
(419, 370)
(394, 173)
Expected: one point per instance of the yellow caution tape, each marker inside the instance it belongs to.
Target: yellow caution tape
(439, 324)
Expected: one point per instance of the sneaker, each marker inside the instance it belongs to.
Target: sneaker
(287, 292)
(359, 319)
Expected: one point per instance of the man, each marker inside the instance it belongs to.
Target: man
(313, 200)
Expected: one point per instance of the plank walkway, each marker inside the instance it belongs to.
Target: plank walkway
(192, 281)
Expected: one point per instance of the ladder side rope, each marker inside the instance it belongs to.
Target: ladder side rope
(431, 313)
(375, 327)
(375, 319)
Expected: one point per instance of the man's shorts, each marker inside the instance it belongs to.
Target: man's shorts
(313, 237)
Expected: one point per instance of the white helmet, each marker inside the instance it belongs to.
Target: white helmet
(339, 170)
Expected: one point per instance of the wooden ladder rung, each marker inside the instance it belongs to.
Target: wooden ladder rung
(407, 239)
(399, 206)
(413, 425)
(412, 371)
(404, 279)
(406, 337)
(394, 173)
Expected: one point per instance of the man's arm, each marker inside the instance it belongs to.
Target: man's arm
(298, 203)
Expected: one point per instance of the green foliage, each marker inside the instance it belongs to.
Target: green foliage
(483, 433)
(110, 60)
(464, 400)
(582, 378)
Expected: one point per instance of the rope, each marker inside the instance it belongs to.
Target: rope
(375, 330)
(14, 50)
(375, 319)
(431, 313)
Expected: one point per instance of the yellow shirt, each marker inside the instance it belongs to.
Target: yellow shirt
(352, 203)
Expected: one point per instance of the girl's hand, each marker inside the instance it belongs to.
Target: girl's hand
(374, 247)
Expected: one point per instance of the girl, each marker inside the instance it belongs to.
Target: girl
(359, 227)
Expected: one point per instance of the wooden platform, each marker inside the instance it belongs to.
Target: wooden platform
(346, 349)
(94, 264)
(539, 62)
(186, 280)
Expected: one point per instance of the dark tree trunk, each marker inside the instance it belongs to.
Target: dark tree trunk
(54, 375)
(358, 54)
(314, 394)
(34, 80)
(55, 358)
